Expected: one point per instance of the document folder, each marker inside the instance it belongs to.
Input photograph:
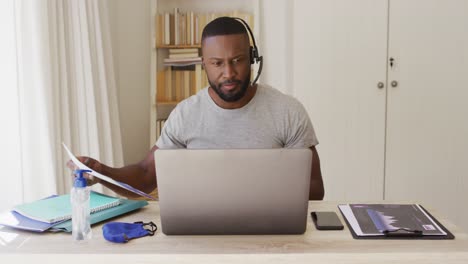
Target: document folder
(397, 221)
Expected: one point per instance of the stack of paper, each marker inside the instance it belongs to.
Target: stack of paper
(45, 214)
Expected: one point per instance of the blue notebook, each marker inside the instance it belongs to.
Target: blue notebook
(18, 221)
(58, 208)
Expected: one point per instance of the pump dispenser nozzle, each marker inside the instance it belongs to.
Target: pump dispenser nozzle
(80, 180)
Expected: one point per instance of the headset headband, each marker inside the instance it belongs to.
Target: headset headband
(254, 53)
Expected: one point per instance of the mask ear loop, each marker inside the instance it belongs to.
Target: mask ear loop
(152, 227)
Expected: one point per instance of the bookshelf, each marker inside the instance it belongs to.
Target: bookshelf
(176, 71)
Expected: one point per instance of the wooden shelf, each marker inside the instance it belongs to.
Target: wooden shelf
(178, 46)
(167, 102)
(165, 108)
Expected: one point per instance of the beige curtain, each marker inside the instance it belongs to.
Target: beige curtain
(67, 91)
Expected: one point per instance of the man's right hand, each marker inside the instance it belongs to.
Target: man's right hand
(141, 175)
(91, 163)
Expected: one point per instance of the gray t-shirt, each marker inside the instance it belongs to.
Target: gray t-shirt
(270, 120)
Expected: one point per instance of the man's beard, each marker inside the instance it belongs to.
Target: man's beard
(231, 97)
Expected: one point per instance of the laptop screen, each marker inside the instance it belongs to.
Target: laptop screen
(235, 191)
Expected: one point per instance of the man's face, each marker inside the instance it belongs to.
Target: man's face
(227, 64)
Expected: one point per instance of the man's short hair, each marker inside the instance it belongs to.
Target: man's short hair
(223, 26)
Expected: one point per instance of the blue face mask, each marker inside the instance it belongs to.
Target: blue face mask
(119, 232)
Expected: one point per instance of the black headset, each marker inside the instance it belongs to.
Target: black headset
(254, 56)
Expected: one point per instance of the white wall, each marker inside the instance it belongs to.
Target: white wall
(130, 31)
(275, 44)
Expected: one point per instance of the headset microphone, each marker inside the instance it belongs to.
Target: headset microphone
(254, 55)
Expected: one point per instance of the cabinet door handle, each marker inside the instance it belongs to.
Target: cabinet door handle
(380, 85)
(394, 83)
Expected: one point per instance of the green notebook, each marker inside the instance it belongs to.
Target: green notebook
(59, 208)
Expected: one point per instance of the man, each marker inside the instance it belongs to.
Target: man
(230, 113)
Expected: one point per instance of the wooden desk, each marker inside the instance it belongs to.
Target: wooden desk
(312, 247)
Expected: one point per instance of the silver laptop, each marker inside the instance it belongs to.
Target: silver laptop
(236, 191)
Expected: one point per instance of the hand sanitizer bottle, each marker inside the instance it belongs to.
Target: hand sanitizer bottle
(81, 226)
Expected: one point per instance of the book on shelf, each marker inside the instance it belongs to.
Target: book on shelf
(191, 22)
(182, 61)
(167, 28)
(168, 85)
(161, 84)
(183, 55)
(59, 208)
(181, 30)
(186, 84)
(178, 85)
(159, 33)
(187, 50)
(159, 127)
(175, 31)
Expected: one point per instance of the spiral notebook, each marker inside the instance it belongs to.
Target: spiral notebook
(124, 207)
(58, 208)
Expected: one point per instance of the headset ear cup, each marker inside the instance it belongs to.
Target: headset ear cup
(252, 55)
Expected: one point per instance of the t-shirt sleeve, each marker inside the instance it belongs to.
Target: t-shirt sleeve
(171, 134)
(301, 133)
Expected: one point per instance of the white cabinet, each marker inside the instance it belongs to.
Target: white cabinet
(427, 112)
(339, 55)
(408, 142)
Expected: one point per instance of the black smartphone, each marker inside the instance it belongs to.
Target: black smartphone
(326, 221)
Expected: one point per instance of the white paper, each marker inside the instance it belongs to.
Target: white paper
(346, 210)
(81, 166)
